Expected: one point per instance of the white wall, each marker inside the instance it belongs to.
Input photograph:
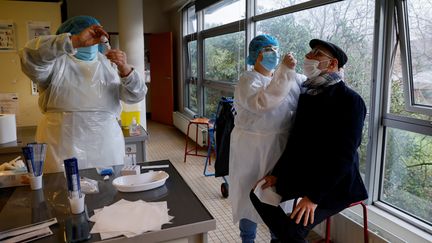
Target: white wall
(12, 80)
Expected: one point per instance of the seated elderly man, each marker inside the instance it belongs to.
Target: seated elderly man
(320, 163)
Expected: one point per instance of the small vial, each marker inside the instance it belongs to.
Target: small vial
(105, 43)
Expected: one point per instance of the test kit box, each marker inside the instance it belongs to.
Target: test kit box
(10, 178)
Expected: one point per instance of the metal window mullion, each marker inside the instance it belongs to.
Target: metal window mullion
(408, 124)
(381, 67)
(250, 26)
(405, 54)
(224, 29)
(200, 63)
(219, 85)
(184, 72)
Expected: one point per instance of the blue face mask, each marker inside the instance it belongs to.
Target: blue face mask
(270, 60)
(87, 53)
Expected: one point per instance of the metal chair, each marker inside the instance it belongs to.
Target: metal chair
(365, 224)
(194, 151)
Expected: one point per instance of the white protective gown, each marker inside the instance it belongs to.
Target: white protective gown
(265, 107)
(80, 101)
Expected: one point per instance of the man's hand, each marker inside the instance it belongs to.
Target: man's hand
(304, 208)
(119, 58)
(289, 61)
(269, 181)
(89, 36)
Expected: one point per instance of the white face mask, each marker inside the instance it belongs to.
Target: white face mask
(310, 67)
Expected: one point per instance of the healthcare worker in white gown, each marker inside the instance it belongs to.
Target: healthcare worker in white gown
(80, 91)
(265, 101)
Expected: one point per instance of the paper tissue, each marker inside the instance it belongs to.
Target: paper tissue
(7, 128)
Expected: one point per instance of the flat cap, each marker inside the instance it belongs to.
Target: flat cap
(335, 50)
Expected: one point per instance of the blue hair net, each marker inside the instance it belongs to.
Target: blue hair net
(257, 44)
(76, 24)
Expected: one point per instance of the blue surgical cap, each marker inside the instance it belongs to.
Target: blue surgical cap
(257, 44)
(76, 24)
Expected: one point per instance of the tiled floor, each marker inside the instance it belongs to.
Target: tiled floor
(166, 142)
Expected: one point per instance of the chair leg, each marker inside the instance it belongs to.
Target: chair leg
(365, 224)
(328, 222)
(209, 144)
(186, 147)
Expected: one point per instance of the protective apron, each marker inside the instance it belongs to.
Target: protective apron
(265, 107)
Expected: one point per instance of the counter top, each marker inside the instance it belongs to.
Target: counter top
(22, 206)
(26, 135)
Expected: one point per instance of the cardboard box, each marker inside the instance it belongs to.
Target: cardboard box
(11, 178)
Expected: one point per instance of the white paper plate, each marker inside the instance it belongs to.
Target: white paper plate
(142, 182)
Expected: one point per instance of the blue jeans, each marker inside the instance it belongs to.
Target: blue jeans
(248, 231)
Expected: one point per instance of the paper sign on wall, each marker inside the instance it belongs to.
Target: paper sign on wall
(37, 28)
(7, 36)
(8, 103)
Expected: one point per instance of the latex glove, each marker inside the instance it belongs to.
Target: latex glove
(269, 182)
(89, 36)
(289, 60)
(305, 208)
(120, 59)
(14, 164)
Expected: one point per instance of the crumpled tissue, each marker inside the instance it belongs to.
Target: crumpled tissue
(130, 218)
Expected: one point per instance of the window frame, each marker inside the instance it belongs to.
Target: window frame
(393, 9)
(379, 117)
(407, 67)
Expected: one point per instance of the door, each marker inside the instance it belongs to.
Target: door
(161, 81)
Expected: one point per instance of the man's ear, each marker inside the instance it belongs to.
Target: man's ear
(259, 58)
(334, 64)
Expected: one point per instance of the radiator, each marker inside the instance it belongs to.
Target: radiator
(346, 229)
(181, 122)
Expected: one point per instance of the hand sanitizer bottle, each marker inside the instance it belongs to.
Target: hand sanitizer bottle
(134, 128)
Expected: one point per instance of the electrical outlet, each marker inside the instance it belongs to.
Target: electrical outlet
(34, 88)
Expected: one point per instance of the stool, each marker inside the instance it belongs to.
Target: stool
(194, 151)
(211, 149)
(365, 224)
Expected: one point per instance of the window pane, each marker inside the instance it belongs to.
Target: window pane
(192, 59)
(224, 12)
(212, 97)
(264, 6)
(408, 173)
(397, 98)
(420, 28)
(191, 21)
(224, 57)
(349, 24)
(192, 97)
(192, 72)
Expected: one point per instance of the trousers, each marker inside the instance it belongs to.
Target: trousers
(285, 228)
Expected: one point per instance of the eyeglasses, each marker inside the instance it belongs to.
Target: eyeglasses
(318, 52)
(269, 48)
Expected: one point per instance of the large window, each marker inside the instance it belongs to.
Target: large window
(224, 57)
(388, 43)
(355, 36)
(407, 167)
